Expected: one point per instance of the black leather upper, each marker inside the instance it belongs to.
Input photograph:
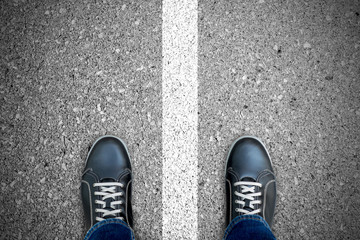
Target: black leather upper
(248, 160)
(108, 161)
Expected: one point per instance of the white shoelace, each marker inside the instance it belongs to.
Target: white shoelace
(108, 190)
(247, 192)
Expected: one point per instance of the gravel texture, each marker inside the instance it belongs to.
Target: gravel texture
(71, 72)
(287, 72)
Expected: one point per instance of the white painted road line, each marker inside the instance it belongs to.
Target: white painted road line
(180, 119)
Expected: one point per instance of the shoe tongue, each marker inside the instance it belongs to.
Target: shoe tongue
(107, 180)
(248, 179)
(108, 200)
(247, 202)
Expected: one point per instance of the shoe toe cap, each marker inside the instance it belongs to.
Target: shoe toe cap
(248, 157)
(108, 157)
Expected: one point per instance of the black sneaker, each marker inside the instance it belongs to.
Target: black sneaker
(106, 182)
(250, 180)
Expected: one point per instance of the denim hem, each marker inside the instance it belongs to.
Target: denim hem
(238, 219)
(108, 221)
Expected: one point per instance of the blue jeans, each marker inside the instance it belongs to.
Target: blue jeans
(114, 229)
(248, 227)
(244, 227)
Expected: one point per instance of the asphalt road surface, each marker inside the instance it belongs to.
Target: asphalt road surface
(287, 72)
